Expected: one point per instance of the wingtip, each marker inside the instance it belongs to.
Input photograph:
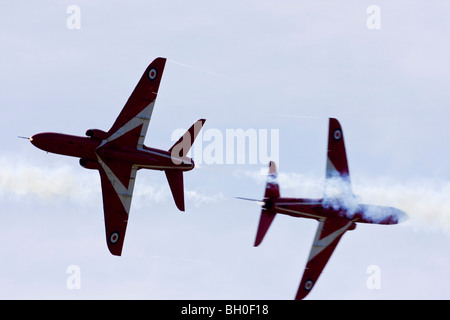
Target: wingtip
(160, 59)
(304, 289)
(115, 251)
(335, 122)
(301, 296)
(179, 202)
(180, 206)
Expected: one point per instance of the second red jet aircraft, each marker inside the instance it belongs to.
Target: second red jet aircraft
(337, 212)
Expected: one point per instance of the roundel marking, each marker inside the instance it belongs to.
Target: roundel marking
(308, 284)
(114, 237)
(152, 73)
(337, 134)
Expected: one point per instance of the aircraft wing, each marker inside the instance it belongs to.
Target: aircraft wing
(328, 234)
(117, 179)
(337, 182)
(138, 109)
(337, 164)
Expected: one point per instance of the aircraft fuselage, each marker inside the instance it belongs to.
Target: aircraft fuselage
(321, 209)
(88, 149)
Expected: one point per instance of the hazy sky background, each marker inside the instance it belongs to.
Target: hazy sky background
(288, 65)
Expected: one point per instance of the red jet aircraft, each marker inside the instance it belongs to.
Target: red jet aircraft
(336, 212)
(119, 153)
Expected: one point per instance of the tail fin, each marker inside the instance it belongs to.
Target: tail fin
(175, 179)
(179, 150)
(184, 144)
(264, 223)
(267, 214)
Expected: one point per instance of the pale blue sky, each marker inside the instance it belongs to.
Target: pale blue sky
(252, 65)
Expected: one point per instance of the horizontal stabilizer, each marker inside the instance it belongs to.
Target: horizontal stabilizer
(175, 179)
(265, 221)
(272, 191)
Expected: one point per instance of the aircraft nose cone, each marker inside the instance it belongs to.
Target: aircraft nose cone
(38, 139)
(396, 216)
(401, 216)
(34, 139)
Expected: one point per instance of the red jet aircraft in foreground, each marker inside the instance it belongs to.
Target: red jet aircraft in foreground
(336, 212)
(120, 152)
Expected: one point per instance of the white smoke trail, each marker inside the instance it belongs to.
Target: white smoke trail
(198, 69)
(160, 193)
(199, 198)
(425, 201)
(291, 184)
(20, 179)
